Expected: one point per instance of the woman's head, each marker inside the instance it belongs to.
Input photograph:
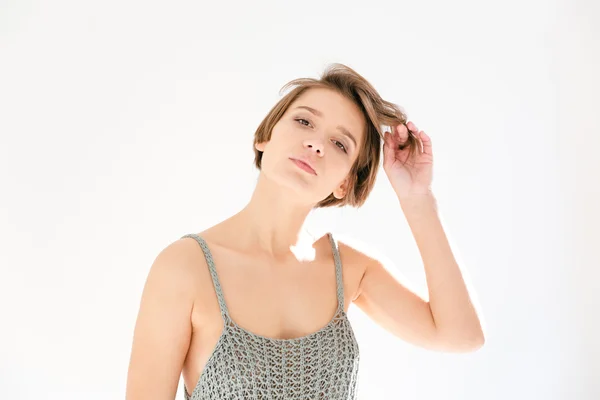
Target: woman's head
(335, 124)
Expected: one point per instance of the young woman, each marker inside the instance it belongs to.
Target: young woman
(255, 308)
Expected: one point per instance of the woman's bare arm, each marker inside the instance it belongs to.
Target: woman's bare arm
(163, 328)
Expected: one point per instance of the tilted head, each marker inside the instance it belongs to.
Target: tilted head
(335, 124)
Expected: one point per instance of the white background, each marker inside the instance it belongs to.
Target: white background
(125, 125)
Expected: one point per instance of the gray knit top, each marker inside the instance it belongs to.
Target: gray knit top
(243, 365)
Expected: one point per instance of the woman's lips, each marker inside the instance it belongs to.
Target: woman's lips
(304, 166)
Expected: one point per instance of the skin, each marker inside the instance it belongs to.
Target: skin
(277, 280)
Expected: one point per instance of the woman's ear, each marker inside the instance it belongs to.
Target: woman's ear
(260, 146)
(341, 191)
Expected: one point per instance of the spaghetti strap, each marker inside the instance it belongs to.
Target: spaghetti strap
(338, 271)
(213, 273)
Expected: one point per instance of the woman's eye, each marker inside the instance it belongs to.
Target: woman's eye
(340, 145)
(301, 120)
(305, 122)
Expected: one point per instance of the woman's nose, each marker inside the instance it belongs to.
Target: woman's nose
(315, 145)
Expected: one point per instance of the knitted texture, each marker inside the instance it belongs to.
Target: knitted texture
(243, 365)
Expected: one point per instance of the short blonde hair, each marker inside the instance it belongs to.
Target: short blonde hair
(378, 114)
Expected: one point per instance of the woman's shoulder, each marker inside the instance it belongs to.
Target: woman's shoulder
(183, 264)
(354, 250)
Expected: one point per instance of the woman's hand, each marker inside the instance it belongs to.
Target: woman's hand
(410, 175)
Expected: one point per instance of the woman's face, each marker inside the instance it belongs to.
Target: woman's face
(320, 128)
